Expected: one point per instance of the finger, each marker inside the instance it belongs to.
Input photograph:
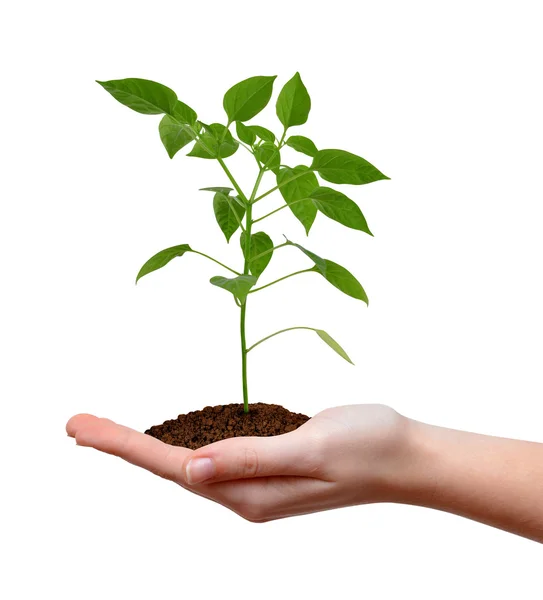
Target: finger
(248, 457)
(137, 448)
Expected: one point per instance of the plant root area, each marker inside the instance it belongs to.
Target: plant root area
(214, 423)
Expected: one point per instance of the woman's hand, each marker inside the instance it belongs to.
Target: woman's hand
(342, 456)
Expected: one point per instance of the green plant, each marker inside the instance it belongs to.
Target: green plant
(233, 208)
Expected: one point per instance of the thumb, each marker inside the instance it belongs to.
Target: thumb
(249, 457)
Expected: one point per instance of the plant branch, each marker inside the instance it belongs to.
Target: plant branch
(280, 208)
(277, 333)
(281, 185)
(216, 261)
(267, 251)
(281, 279)
(232, 180)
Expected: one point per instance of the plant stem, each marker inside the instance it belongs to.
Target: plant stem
(216, 261)
(281, 279)
(247, 253)
(304, 172)
(267, 251)
(232, 180)
(280, 208)
(277, 333)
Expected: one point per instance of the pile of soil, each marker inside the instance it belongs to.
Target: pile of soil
(214, 423)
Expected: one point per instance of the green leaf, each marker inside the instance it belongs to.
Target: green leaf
(184, 113)
(339, 166)
(247, 98)
(224, 209)
(268, 154)
(260, 242)
(238, 286)
(303, 145)
(337, 275)
(162, 258)
(218, 140)
(333, 344)
(223, 190)
(338, 207)
(296, 192)
(174, 135)
(293, 104)
(245, 134)
(143, 96)
(262, 133)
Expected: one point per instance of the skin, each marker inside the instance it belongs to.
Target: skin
(346, 456)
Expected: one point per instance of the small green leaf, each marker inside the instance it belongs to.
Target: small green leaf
(333, 344)
(268, 154)
(238, 286)
(293, 104)
(338, 207)
(174, 135)
(337, 275)
(224, 208)
(296, 192)
(262, 133)
(260, 242)
(245, 134)
(339, 166)
(248, 97)
(303, 145)
(142, 95)
(162, 258)
(218, 140)
(223, 190)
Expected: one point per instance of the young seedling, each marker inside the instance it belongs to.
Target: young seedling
(234, 208)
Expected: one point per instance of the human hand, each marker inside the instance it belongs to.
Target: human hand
(341, 457)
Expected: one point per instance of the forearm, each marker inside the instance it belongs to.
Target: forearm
(493, 480)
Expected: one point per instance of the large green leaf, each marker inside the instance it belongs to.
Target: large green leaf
(338, 207)
(238, 286)
(293, 104)
(337, 275)
(303, 145)
(339, 166)
(174, 135)
(143, 96)
(328, 339)
(224, 208)
(247, 98)
(218, 140)
(296, 192)
(184, 113)
(269, 155)
(162, 258)
(245, 134)
(260, 242)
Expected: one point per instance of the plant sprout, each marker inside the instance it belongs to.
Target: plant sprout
(234, 208)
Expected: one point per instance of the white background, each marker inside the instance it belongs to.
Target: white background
(445, 98)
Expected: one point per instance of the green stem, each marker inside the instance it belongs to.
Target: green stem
(277, 333)
(232, 180)
(243, 315)
(304, 172)
(280, 208)
(281, 279)
(216, 261)
(267, 251)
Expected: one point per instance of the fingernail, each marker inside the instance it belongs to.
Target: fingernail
(200, 469)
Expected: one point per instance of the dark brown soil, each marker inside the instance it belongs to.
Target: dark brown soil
(214, 423)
